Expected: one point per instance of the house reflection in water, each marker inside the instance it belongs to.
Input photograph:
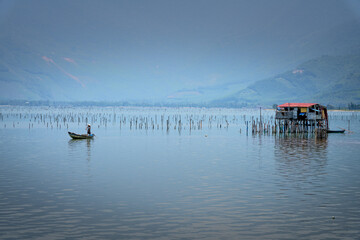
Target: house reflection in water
(300, 159)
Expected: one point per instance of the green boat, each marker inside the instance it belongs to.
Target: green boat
(81, 136)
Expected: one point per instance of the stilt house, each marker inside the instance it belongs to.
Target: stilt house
(302, 114)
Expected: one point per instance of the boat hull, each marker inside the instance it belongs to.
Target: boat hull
(80, 136)
(335, 131)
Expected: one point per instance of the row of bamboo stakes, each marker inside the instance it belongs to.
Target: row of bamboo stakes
(163, 119)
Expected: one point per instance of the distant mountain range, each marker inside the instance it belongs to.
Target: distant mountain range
(45, 68)
(331, 80)
(31, 71)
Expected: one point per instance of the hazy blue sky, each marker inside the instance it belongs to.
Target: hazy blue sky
(165, 47)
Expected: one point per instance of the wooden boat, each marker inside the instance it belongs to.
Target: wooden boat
(81, 136)
(335, 131)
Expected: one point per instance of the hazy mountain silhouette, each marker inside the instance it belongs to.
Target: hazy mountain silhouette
(331, 80)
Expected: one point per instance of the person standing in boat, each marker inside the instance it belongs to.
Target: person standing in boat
(88, 129)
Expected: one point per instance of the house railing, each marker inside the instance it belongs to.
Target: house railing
(284, 115)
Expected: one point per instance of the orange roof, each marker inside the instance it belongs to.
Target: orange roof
(297, 105)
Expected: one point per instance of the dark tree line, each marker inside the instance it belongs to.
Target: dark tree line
(353, 106)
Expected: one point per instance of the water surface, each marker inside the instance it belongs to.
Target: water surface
(154, 183)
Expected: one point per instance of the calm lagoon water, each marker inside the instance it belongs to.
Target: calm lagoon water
(209, 183)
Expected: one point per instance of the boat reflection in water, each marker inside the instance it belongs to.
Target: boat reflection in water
(77, 148)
